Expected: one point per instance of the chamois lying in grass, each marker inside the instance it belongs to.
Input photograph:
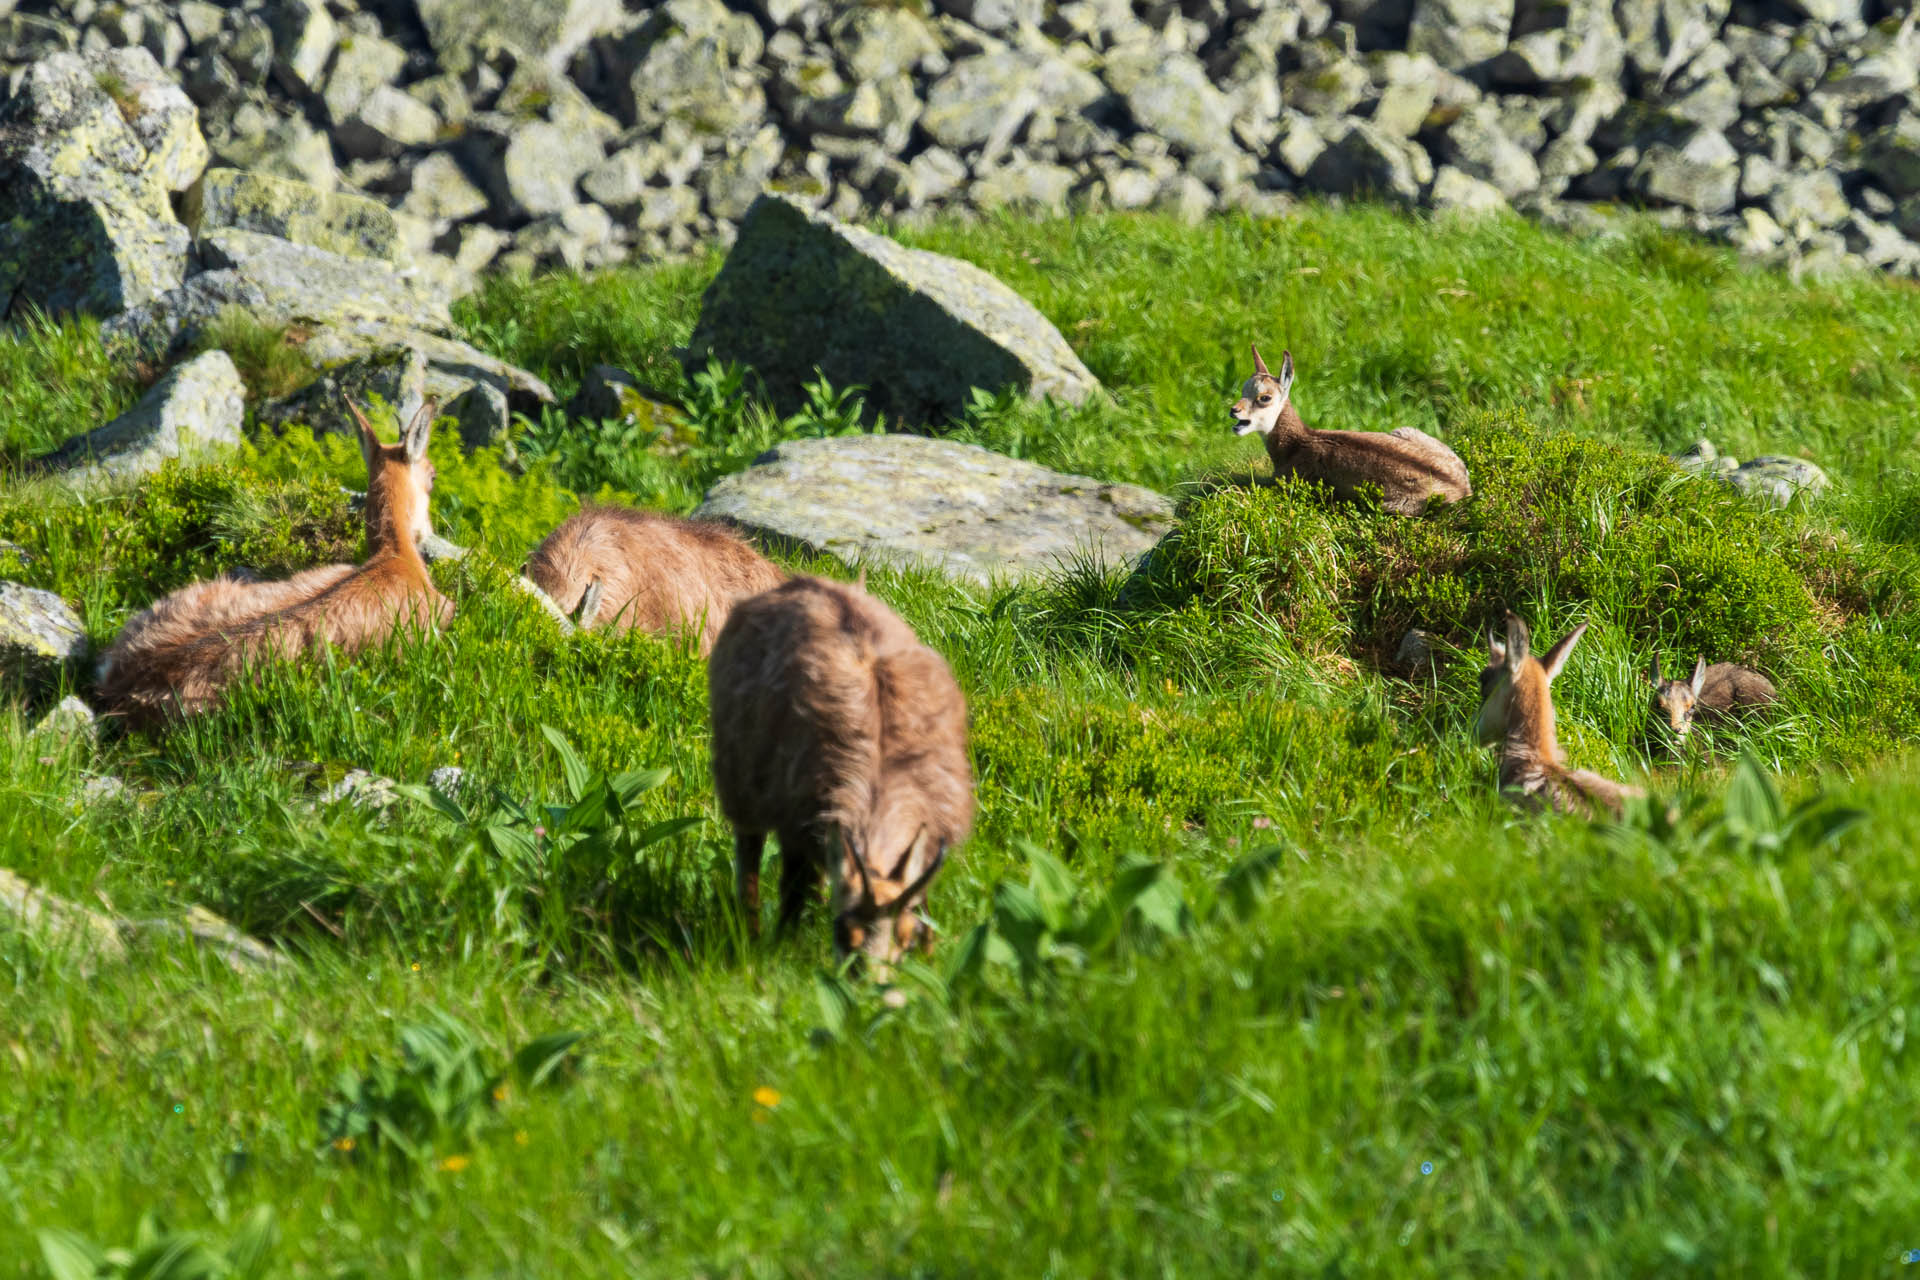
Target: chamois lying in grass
(625, 568)
(1713, 695)
(836, 728)
(177, 656)
(1516, 711)
(1408, 465)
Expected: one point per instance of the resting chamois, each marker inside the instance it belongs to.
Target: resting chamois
(1406, 464)
(1516, 711)
(836, 728)
(626, 568)
(177, 656)
(1714, 695)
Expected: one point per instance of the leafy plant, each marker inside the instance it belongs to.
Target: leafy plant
(159, 1254)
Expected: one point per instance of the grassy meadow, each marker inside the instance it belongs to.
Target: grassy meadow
(1246, 969)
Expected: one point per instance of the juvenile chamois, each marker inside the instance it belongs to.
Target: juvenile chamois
(177, 656)
(1516, 712)
(1406, 464)
(1713, 695)
(654, 572)
(835, 728)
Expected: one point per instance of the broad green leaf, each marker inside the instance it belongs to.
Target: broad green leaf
(577, 773)
(69, 1255)
(836, 1002)
(251, 1245)
(547, 1058)
(1241, 886)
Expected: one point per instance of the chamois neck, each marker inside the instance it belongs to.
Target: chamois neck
(1530, 729)
(392, 505)
(1289, 425)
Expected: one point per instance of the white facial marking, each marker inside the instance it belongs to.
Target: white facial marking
(1259, 406)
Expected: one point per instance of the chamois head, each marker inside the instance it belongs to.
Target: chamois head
(1263, 396)
(875, 913)
(399, 480)
(1514, 674)
(1674, 700)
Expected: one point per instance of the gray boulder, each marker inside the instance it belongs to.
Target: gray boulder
(608, 394)
(1892, 155)
(1478, 146)
(1692, 177)
(801, 291)
(1367, 160)
(1177, 102)
(1814, 198)
(550, 30)
(388, 382)
(985, 99)
(39, 635)
(288, 282)
(1460, 34)
(85, 222)
(733, 183)
(1778, 480)
(304, 36)
(529, 167)
(965, 511)
(198, 406)
(69, 719)
(995, 15)
(350, 225)
(162, 118)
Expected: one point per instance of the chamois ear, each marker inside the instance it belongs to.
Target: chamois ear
(1556, 657)
(1519, 641)
(1699, 675)
(1286, 372)
(921, 881)
(1496, 650)
(414, 438)
(589, 607)
(369, 441)
(1259, 365)
(1653, 671)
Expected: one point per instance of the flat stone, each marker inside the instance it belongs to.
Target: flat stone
(550, 30)
(1778, 480)
(69, 719)
(299, 282)
(962, 510)
(389, 382)
(39, 635)
(349, 225)
(452, 365)
(198, 406)
(802, 291)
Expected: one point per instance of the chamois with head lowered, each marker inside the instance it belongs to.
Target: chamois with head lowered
(1713, 695)
(614, 566)
(837, 729)
(1516, 712)
(1407, 465)
(177, 656)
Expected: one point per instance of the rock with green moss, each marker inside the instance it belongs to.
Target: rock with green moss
(85, 222)
(983, 100)
(1460, 34)
(452, 365)
(197, 407)
(162, 118)
(389, 382)
(40, 637)
(965, 511)
(297, 282)
(608, 394)
(350, 225)
(802, 291)
(550, 30)
(70, 720)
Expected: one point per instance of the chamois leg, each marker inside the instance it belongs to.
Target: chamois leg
(802, 860)
(748, 846)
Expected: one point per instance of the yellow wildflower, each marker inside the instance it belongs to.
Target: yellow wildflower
(454, 1164)
(343, 1144)
(766, 1096)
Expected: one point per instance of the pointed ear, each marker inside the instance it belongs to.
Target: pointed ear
(369, 442)
(414, 438)
(1699, 675)
(921, 881)
(1496, 650)
(1259, 365)
(850, 852)
(1519, 642)
(1556, 657)
(1653, 671)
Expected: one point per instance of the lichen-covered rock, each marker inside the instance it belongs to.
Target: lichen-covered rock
(388, 382)
(1365, 160)
(689, 79)
(550, 30)
(292, 282)
(801, 291)
(1772, 478)
(1462, 193)
(1814, 198)
(733, 182)
(304, 36)
(1459, 34)
(530, 168)
(452, 365)
(993, 94)
(39, 635)
(1478, 146)
(439, 190)
(965, 511)
(69, 719)
(1330, 90)
(362, 65)
(1681, 176)
(349, 225)
(387, 123)
(876, 42)
(1177, 102)
(286, 148)
(162, 117)
(1892, 155)
(85, 223)
(197, 407)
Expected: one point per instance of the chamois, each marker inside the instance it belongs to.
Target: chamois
(837, 729)
(179, 655)
(655, 572)
(1408, 465)
(1516, 711)
(1716, 694)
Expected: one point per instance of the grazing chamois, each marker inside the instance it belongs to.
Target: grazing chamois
(655, 572)
(177, 656)
(835, 728)
(1713, 695)
(1516, 712)
(1406, 464)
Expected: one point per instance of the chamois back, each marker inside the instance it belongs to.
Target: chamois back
(657, 573)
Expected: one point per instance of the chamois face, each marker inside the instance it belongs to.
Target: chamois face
(1512, 671)
(1674, 701)
(1262, 397)
(399, 476)
(877, 916)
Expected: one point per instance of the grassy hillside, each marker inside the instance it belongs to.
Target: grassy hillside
(1246, 969)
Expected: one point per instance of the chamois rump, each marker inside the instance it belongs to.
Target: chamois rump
(616, 566)
(1408, 465)
(837, 729)
(1713, 695)
(181, 653)
(1516, 712)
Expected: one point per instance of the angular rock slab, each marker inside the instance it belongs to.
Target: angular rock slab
(349, 225)
(85, 222)
(963, 510)
(39, 634)
(802, 291)
(199, 405)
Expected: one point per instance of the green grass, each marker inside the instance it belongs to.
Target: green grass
(1623, 1051)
